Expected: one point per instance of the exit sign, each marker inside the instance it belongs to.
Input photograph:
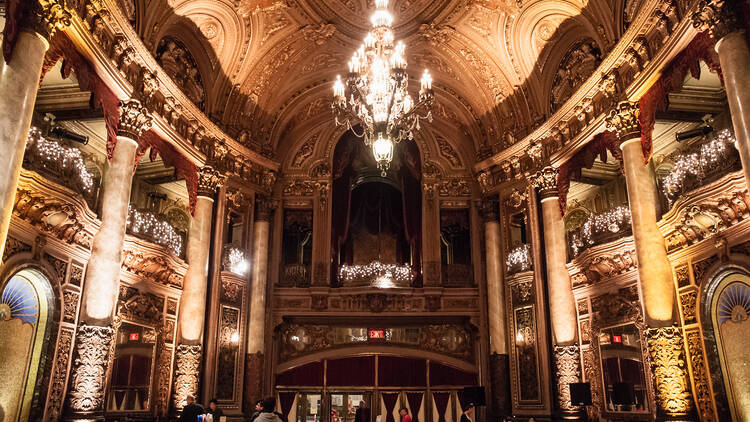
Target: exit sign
(377, 335)
(616, 339)
(133, 337)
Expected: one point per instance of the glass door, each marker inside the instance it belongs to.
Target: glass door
(309, 407)
(350, 406)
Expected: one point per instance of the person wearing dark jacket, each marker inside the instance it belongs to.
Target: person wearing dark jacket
(191, 411)
(213, 409)
(362, 414)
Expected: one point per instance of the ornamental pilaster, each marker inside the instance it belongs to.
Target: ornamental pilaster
(93, 352)
(546, 181)
(719, 17)
(568, 371)
(209, 181)
(44, 17)
(623, 120)
(134, 119)
(186, 373)
(665, 346)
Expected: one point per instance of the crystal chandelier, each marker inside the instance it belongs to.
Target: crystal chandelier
(378, 91)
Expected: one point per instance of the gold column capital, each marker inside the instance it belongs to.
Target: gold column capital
(623, 120)
(489, 208)
(134, 119)
(546, 181)
(264, 207)
(719, 17)
(44, 17)
(209, 181)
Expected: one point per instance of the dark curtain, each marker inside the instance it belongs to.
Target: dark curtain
(305, 375)
(343, 156)
(351, 371)
(441, 403)
(396, 371)
(286, 400)
(389, 400)
(415, 402)
(446, 375)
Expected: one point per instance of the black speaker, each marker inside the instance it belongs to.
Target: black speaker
(580, 393)
(623, 393)
(473, 395)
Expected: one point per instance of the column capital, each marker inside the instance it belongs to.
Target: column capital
(44, 17)
(546, 181)
(623, 120)
(264, 207)
(209, 181)
(134, 119)
(719, 17)
(489, 208)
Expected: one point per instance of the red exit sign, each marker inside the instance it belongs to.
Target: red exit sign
(616, 339)
(377, 334)
(133, 337)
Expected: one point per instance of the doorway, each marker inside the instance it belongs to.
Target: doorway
(345, 405)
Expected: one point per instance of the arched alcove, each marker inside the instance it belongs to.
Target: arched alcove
(27, 305)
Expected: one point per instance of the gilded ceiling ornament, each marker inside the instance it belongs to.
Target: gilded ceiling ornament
(574, 69)
(319, 33)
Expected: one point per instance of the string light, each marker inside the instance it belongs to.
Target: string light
(596, 226)
(696, 164)
(519, 259)
(147, 224)
(379, 274)
(236, 261)
(54, 156)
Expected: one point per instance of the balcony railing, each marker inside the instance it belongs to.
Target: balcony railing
(518, 259)
(600, 228)
(700, 164)
(457, 275)
(62, 164)
(296, 275)
(155, 228)
(376, 274)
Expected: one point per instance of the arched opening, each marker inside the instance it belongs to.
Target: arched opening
(26, 312)
(726, 310)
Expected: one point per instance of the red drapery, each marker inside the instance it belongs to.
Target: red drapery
(389, 400)
(286, 400)
(598, 147)
(183, 167)
(700, 49)
(441, 403)
(415, 402)
(14, 11)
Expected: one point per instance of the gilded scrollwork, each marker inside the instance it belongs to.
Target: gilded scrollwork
(669, 369)
(568, 371)
(59, 375)
(186, 373)
(93, 350)
(703, 396)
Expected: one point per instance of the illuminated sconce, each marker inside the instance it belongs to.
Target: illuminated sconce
(235, 338)
(524, 337)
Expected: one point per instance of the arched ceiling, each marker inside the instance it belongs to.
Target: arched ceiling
(268, 65)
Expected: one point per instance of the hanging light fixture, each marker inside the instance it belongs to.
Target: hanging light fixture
(378, 91)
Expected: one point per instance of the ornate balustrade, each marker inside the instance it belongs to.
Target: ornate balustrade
(376, 274)
(296, 275)
(155, 228)
(600, 229)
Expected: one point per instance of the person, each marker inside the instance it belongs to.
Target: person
(191, 411)
(258, 409)
(404, 412)
(267, 413)
(362, 414)
(468, 414)
(213, 410)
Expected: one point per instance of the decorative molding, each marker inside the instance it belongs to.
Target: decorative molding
(56, 393)
(704, 400)
(719, 17)
(567, 371)
(93, 351)
(152, 266)
(49, 215)
(14, 246)
(665, 347)
(623, 120)
(186, 373)
(603, 262)
(209, 181)
(134, 119)
(546, 181)
(45, 17)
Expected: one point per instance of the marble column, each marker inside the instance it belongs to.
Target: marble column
(562, 307)
(496, 307)
(191, 316)
(256, 338)
(654, 268)
(19, 82)
(720, 18)
(95, 334)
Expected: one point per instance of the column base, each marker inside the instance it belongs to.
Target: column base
(187, 366)
(88, 379)
(253, 381)
(500, 378)
(671, 385)
(567, 371)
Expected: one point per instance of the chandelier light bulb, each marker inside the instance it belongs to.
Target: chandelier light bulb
(426, 80)
(338, 89)
(382, 149)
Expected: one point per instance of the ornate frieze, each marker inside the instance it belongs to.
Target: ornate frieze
(62, 220)
(93, 350)
(567, 371)
(665, 347)
(688, 302)
(623, 120)
(151, 267)
(453, 187)
(134, 119)
(601, 265)
(299, 188)
(186, 373)
(546, 181)
(719, 17)
(140, 306)
(14, 246)
(70, 306)
(209, 181)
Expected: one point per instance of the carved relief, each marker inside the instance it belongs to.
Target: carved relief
(299, 188)
(688, 302)
(140, 306)
(319, 33)
(53, 217)
(603, 266)
(708, 218)
(180, 65)
(93, 348)
(186, 372)
(231, 292)
(151, 267)
(700, 267)
(70, 306)
(59, 376)
(453, 187)
(682, 275)
(134, 120)
(568, 371)
(703, 397)
(163, 372)
(209, 181)
(304, 152)
(614, 308)
(76, 275)
(14, 246)
(670, 374)
(546, 181)
(522, 292)
(447, 152)
(60, 266)
(575, 68)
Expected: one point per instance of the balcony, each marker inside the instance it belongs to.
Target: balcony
(376, 274)
(155, 228)
(295, 275)
(599, 229)
(518, 259)
(235, 260)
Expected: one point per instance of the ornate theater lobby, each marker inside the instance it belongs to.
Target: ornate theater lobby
(374, 210)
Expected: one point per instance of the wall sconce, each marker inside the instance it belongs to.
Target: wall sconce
(235, 338)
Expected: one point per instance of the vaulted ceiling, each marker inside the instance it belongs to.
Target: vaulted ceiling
(265, 68)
